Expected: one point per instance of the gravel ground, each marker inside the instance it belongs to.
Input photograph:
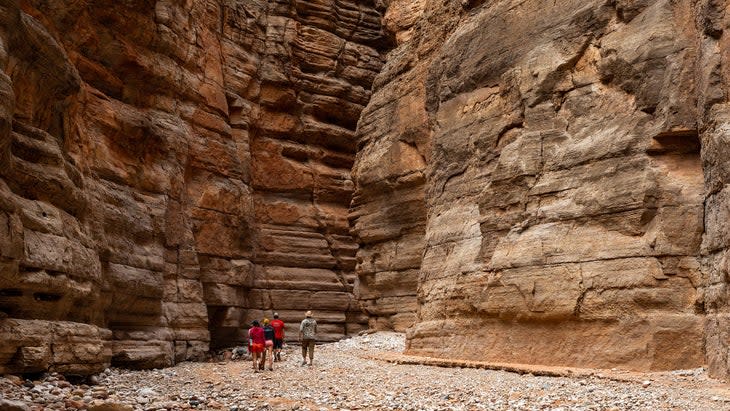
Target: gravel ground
(341, 379)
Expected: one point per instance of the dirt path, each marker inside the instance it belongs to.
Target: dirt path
(368, 373)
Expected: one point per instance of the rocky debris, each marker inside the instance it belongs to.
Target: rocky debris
(380, 341)
(342, 379)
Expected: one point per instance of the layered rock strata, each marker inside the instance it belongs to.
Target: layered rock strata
(536, 182)
(713, 72)
(388, 208)
(547, 184)
(171, 170)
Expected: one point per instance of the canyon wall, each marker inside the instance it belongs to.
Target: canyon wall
(171, 170)
(536, 182)
(546, 182)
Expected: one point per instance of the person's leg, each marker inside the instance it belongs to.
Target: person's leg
(277, 349)
(311, 351)
(254, 357)
(304, 352)
(270, 353)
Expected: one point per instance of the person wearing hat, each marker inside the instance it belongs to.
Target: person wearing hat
(307, 335)
(278, 327)
(268, 346)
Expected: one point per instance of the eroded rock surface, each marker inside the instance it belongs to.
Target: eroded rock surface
(544, 182)
(536, 182)
(171, 170)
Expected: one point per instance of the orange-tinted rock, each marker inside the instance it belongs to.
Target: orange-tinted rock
(547, 178)
(157, 160)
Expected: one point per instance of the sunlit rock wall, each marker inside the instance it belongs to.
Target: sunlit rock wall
(542, 182)
(170, 170)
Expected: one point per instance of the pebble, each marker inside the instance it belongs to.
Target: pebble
(343, 378)
(72, 403)
(147, 392)
(7, 405)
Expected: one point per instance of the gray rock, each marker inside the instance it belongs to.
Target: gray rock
(147, 392)
(7, 405)
(110, 406)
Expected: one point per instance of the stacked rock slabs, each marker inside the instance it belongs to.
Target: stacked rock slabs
(169, 171)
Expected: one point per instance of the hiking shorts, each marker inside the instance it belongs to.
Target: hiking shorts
(257, 348)
(278, 343)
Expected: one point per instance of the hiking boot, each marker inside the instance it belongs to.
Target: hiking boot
(304, 363)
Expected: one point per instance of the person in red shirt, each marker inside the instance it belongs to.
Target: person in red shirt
(256, 343)
(278, 326)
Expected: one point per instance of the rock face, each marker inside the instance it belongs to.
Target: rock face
(547, 182)
(170, 170)
(535, 182)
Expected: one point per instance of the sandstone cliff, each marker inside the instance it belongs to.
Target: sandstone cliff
(170, 170)
(542, 182)
(546, 182)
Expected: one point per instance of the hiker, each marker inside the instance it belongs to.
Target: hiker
(256, 343)
(278, 327)
(307, 334)
(268, 346)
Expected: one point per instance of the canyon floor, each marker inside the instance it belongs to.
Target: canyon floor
(368, 373)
